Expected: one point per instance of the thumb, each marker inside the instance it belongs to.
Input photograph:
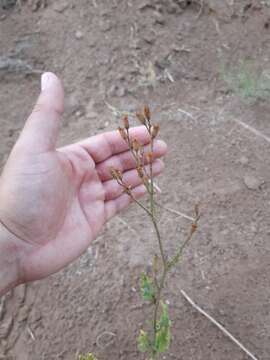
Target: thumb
(41, 129)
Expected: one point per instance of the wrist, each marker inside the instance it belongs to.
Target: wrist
(9, 260)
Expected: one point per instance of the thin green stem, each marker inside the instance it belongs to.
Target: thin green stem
(179, 252)
(158, 298)
(140, 204)
(161, 249)
(152, 206)
(160, 286)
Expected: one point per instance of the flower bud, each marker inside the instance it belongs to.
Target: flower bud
(113, 173)
(154, 131)
(126, 122)
(123, 133)
(140, 171)
(119, 174)
(136, 145)
(147, 113)
(149, 157)
(193, 228)
(116, 174)
(141, 118)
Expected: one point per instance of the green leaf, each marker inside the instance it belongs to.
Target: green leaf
(163, 334)
(147, 288)
(144, 343)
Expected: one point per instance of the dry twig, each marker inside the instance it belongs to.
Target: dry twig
(253, 130)
(218, 325)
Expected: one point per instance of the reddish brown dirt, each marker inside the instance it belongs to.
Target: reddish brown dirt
(170, 55)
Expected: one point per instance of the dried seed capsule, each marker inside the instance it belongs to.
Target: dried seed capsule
(149, 157)
(113, 173)
(116, 174)
(193, 228)
(119, 174)
(136, 145)
(139, 160)
(126, 122)
(141, 118)
(123, 133)
(140, 171)
(147, 113)
(154, 131)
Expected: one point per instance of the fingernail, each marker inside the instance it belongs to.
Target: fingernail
(45, 81)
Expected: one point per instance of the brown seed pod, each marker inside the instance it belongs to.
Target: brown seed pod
(136, 146)
(113, 173)
(116, 174)
(149, 157)
(119, 174)
(140, 171)
(154, 131)
(126, 122)
(141, 118)
(193, 228)
(147, 113)
(123, 134)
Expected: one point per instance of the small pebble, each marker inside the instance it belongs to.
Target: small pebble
(243, 160)
(78, 113)
(252, 183)
(78, 35)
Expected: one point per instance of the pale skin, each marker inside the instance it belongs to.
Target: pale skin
(54, 202)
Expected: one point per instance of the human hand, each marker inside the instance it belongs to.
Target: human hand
(53, 202)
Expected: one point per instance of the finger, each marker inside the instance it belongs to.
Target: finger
(41, 129)
(103, 146)
(113, 189)
(125, 161)
(113, 207)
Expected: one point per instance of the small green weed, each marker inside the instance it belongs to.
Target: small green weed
(155, 338)
(88, 356)
(247, 82)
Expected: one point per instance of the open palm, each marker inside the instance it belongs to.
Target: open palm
(55, 201)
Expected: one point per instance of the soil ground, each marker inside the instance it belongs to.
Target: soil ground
(114, 56)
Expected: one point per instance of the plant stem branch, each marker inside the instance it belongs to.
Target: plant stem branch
(151, 179)
(163, 277)
(140, 204)
(176, 257)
